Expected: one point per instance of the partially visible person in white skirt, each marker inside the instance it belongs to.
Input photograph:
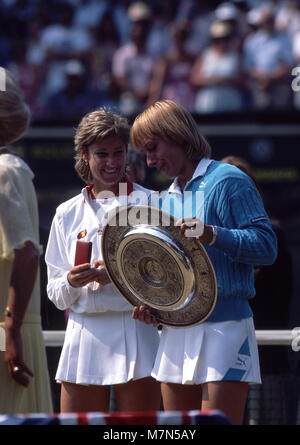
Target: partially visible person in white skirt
(103, 345)
(208, 366)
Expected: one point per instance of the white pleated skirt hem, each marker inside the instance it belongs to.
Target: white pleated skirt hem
(208, 352)
(106, 349)
(104, 382)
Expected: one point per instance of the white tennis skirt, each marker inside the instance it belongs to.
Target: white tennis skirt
(106, 348)
(208, 352)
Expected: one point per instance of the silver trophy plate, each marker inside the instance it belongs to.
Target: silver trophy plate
(151, 263)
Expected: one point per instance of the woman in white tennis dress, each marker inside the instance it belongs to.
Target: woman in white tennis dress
(103, 346)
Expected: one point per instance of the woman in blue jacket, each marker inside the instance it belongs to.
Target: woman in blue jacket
(208, 366)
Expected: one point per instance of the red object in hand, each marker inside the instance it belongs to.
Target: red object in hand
(83, 252)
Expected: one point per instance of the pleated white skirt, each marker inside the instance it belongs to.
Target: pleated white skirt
(106, 348)
(208, 352)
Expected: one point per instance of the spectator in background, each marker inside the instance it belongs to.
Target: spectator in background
(288, 17)
(268, 60)
(106, 41)
(133, 65)
(35, 28)
(61, 42)
(253, 20)
(75, 98)
(119, 11)
(171, 78)
(28, 75)
(217, 74)
(230, 14)
(200, 19)
(88, 13)
(160, 40)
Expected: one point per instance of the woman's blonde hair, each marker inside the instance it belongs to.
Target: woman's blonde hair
(98, 125)
(14, 112)
(171, 122)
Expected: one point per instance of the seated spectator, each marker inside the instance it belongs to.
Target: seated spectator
(119, 11)
(160, 14)
(28, 75)
(106, 41)
(200, 19)
(35, 50)
(62, 42)
(171, 79)
(132, 65)
(76, 98)
(88, 13)
(268, 63)
(253, 18)
(160, 39)
(288, 17)
(229, 13)
(217, 74)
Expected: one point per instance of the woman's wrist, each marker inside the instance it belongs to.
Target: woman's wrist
(70, 282)
(13, 323)
(214, 234)
(207, 236)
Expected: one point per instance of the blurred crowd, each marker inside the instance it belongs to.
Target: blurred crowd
(210, 56)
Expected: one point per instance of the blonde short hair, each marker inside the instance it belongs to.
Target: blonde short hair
(95, 126)
(171, 122)
(14, 112)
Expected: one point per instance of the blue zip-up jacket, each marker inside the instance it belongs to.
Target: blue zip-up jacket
(228, 199)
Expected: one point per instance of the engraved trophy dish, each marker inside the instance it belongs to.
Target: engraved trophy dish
(151, 263)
